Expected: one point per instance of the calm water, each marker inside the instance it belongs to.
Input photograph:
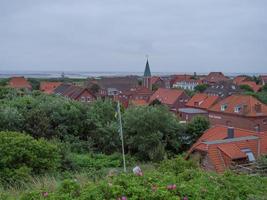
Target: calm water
(55, 74)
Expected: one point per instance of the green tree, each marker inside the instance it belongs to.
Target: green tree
(150, 131)
(195, 129)
(201, 87)
(246, 88)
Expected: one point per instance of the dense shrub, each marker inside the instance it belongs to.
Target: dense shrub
(22, 156)
(150, 132)
(174, 179)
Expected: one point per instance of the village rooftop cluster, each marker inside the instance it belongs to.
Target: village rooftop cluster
(238, 132)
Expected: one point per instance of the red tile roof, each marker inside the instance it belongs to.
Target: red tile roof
(248, 106)
(19, 83)
(232, 150)
(166, 96)
(214, 77)
(238, 79)
(201, 100)
(154, 79)
(251, 84)
(48, 87)
(215, 142)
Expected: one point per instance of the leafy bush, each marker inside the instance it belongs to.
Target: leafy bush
(150, 131)
(22, 156)
(174, 179)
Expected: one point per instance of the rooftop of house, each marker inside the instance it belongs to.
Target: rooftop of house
(48, 87)
(252, 85)
(166, 96)
(217, 140)
(184, 78)
(19, 83)
(138, 90)
(214, 77)
(155, 79)
(120, 83)
(245, 105)
(238, 79)
(202, 100)
(70, 90)
(223, 88)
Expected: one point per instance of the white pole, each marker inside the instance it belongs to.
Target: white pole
(121, 135)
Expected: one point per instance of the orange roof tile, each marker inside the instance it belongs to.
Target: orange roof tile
(201, 100)
(232, 151)
(19, 83)
(214, 77)
(48, 87)
(248, 105)
(214, 142)
(251, 84)
(238, 79)
(166, 96)
(154, 79)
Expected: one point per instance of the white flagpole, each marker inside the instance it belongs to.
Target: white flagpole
(121, 135)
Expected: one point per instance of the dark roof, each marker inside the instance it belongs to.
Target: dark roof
(121, 83)
(71, 91)
(147, 72)
(223, 89)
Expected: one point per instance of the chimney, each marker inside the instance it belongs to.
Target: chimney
(245, 109)
(258, 108)
(230, 132)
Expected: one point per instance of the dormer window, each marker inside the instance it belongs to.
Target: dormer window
(237, 109)
(223, 107)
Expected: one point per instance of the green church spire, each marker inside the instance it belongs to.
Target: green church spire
(147, 72)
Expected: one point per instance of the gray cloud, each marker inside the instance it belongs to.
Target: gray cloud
(115, 35)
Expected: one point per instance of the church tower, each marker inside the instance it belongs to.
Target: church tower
(147, 76)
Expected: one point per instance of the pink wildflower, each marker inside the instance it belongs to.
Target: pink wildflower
(45, 194)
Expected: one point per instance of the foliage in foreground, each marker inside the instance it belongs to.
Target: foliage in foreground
(173, 179)
(22, 156)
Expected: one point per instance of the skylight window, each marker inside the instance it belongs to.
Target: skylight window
(249, 154)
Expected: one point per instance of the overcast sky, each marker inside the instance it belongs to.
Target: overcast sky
(115, 35)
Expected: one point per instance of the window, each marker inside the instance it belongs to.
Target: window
(237, 109)
(265, 121)
(82, 99)
(223, 107)
(249, 154)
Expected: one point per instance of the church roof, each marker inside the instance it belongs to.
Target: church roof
(147, 72)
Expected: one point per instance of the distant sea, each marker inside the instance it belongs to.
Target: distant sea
(56, 74)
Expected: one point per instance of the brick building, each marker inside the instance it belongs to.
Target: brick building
(215, 77)
(172, 98)
(220, 147)
(74, 92)
(197, 106)
(241, 111)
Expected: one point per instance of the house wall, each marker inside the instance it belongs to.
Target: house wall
(85, 96)
(180, 102)
(188, 116)
(249, 123)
